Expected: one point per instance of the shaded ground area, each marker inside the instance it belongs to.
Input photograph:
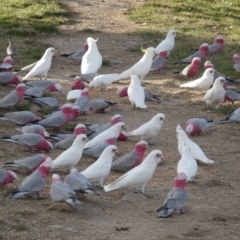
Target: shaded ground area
(213, 208)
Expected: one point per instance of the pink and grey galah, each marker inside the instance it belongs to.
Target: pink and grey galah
(99, 105)
(96, 150)
(14, 98)
(236, 62)
(122, 92)
(58, 119)
(62, 192)
(33, 92)
(83, 101)
(78, 83)
(6, 66)
(159, 61)
(112, 132)
(49, 85)
(32, 141)
(233, 118)
(177, 198)
(132, 159)
(197, 125)
(67, 142)
(7, 177)
(217, 46)
(34, 129)
(33, 183)
(192, 69)
(231, 95)
(50, 102)
(79, 183)
(99, 128)
(201, 53)
(28, 163)
(79, 129)
(8, 78)
(217, 74)
(20, 118)
(76, 55)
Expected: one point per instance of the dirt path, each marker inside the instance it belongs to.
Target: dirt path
(213, 208)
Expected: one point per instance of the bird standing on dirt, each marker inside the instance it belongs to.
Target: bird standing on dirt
(92, 59)
(11, 49)
(177, 198)
(42, 66)
(168, 43)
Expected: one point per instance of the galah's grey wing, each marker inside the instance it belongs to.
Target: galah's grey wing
(29, 139)
(33, 183)
(41, 84)
(83, 103)
(126, 161)
(96, 150)
(20, 118)
(200, 122)
(33, 92)
(213, 48)
(46, 102)
(3, 175)
(10, 100)
(65, 143)
(157, 63)
(77, 55)
(30, 162)
(176, 198)
(103, 128)
(54, 120)
(88, 77)
(6, 77)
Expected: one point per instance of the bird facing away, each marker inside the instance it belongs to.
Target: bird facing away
(177, 198)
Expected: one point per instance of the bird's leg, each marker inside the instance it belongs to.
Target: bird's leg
(181, 211)
(143, 193)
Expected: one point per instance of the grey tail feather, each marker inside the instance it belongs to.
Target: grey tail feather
(112, 104)
(3, 118)
(10, 164)
(233, 82)
(72, 75)
(65, 54)
(210, 125)
(225, 121)
(92, 192)
(162, 207)
(176, 72)
(15, 193)
(72, 201)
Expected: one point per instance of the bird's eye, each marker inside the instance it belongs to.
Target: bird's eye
(161, 118)
(158, 155)
(84, 139)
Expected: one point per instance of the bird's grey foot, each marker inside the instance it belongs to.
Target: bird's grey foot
(144, 194)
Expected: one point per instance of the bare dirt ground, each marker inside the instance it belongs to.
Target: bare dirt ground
(213, 208)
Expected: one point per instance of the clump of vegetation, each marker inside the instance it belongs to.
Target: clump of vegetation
(196, 22)
(27, 17)
(19, 227)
